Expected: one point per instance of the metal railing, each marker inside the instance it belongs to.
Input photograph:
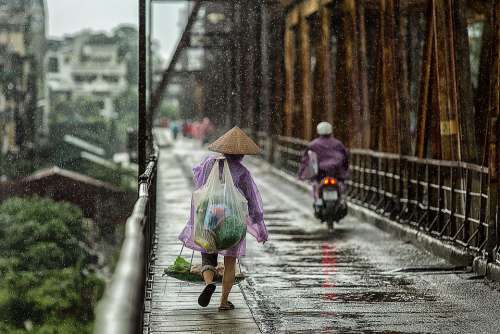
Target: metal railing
(497, 232)
(446, 199)
(121, 309)
(288, 153)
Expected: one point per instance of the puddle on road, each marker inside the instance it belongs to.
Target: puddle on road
(380, 297)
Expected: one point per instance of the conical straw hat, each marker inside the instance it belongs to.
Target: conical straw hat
(235, 141)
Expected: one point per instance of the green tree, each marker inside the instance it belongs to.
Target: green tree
(126, 105)
(127, 38)
(45, 278)
(169, 111)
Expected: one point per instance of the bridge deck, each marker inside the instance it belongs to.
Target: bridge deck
(173, 307)
(305, 280)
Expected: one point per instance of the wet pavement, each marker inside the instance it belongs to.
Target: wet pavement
(356, 280)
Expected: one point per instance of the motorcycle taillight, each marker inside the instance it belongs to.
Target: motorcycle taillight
(329, 181)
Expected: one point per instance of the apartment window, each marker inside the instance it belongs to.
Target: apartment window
(111, 78)
(84, 78)
(53, 65)
(101, 104)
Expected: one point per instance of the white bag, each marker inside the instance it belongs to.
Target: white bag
(220, 211)
(312, 167)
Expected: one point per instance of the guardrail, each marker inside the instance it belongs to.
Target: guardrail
(446, 199)
(497, 237)
(288, 153)
(121, 309)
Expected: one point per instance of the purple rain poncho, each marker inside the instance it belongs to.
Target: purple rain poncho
(245, 184)
(333, 158)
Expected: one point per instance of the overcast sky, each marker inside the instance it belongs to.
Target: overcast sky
(70, 16)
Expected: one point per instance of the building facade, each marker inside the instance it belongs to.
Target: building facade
(86, 65)
(22, 50)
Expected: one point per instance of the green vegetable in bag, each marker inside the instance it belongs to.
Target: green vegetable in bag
(229, 233)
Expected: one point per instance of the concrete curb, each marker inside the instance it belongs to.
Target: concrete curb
(484, 268)
(493, 272)
(449, 252)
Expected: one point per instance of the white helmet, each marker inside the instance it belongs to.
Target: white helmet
(324, 129)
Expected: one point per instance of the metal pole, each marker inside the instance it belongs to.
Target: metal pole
(150, 50)
(149, 78)
(142, 126)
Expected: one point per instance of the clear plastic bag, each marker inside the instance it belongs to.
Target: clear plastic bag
(220, 211)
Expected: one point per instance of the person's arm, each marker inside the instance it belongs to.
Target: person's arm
(345, 164)
(256, 225)
(201, 172)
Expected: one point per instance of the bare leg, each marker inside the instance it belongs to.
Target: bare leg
(208, 276)
(209, 262)
(228, 279)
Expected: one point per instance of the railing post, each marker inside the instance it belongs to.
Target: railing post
(400, 188)
(492, 245)
(272, 148)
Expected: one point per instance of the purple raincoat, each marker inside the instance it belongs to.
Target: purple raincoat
(244, 182)
(333, 158)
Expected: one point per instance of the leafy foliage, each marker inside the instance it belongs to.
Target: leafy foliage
(126, 105)
(45, 279)
(169, 111)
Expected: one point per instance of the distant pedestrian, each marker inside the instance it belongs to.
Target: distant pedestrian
(233, 146)
(186, 129)
(174, 127)
(206, 129)
(195, 130)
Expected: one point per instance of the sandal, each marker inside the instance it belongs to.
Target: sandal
(228, 307)
(206, 295)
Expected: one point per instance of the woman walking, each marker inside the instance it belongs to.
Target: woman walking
(233, 146)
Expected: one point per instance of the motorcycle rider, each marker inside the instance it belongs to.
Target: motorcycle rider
(332, 160)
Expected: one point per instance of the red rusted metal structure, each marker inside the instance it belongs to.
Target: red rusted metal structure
(411, 86)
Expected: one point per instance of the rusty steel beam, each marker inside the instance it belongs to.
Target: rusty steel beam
(305, 77)
(363, 79)
(289, 80)
(463, 83)
(183, 43)
(424, 114)
(445, 104)
(277, 79)
(494, 134)
(388, 96)
(236, 63)
(392, 110)
(444, 95)
(404, 80)
(323, 82)
(486, 77)
(347, 116)
(493, 98)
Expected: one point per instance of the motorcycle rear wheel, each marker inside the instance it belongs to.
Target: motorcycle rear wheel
(329, 224)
